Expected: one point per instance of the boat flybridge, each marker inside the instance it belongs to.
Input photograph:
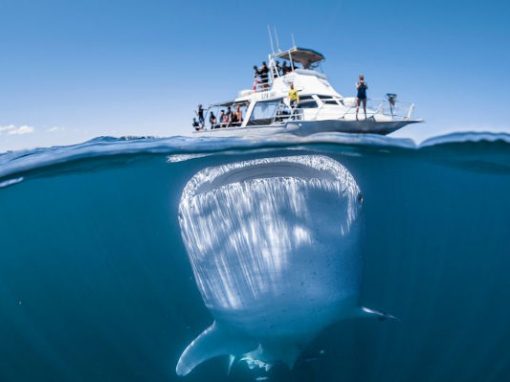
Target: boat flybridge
(266, 109)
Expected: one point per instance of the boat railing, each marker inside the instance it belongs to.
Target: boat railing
(261, 85)
(285, 114)
(397, 110)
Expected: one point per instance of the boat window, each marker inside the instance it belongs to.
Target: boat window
(306, 98)
(264, 112)
(312, 104)
(328, 100)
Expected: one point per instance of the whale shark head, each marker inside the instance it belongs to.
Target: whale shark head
(273, 247)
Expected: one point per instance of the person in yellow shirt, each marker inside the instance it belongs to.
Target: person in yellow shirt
(293, 96)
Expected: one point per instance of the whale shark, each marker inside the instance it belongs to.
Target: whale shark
(274, 248)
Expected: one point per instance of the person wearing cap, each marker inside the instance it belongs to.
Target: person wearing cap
(278, 68)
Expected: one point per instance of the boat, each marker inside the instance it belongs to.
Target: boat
(265, 109)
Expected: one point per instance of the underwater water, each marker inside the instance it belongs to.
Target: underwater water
(117, 253)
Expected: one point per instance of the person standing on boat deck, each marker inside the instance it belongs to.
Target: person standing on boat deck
(285, 68)
(256, 77)
(293, 97)
(278, 68)
(200, 114)
(361, 97)
(264, 75)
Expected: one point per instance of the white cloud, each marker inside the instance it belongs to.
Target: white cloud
(55, 129)
(16, 130)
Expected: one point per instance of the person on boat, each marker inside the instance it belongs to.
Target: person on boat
(222, 118)
(278, 68)
(287, 68)
(195, 124)
(361, 96)
(256, 77)
(233, 119)
(238, 115)
(264, 75)
(200, 114)
(212, 120)
(228, 117)
(293, 97)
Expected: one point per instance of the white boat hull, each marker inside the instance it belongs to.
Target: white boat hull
(303, 128)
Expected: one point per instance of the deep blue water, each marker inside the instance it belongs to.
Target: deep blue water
(96, 284)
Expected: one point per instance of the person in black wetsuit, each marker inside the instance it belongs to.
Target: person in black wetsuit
(200, 115)
(285, 68)
(361, 96)
(256, 77)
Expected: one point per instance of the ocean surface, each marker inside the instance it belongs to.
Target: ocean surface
(115, 254)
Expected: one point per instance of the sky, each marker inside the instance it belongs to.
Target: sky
(74, 70)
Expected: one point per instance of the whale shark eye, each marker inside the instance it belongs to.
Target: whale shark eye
(359, 198)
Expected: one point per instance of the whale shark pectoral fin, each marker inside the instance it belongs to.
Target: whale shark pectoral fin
(212, 342)
(367, 312)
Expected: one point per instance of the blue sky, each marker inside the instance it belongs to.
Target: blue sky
(73, 70)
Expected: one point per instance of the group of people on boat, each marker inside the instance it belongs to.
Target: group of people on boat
(200, 123)
(261, 75)
(228, 118)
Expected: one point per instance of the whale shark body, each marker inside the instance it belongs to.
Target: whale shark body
(273, 244)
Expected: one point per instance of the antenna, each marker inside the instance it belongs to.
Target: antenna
(293, 40)
(270, 39)
(276, 39)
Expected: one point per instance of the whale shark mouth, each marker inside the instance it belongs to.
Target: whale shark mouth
(258, 213)
(267, 240)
